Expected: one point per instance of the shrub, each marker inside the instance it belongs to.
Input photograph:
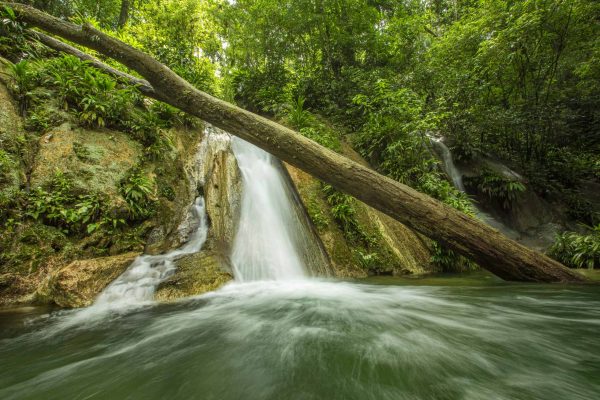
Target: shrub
(137, 190)
(58, 206)
(498, 188)
(23, 81)
(576, 250)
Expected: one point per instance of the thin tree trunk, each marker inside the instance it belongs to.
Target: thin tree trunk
(124, 14)
(467, 236)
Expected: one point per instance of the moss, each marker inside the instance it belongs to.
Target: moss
(196, 274)
(96, 159)
(28, 246)
(78, 283)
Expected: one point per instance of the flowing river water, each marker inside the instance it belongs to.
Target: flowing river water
(275, 334)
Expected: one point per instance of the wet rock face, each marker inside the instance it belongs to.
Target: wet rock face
(222, 193)
(209, 169)
(196, 274)
(400, 250)
(212, 172)
(96, 160)
(78, 283)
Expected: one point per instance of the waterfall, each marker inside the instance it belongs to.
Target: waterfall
(448, 163)
(266, 243)
(456, 177)
(137, 284)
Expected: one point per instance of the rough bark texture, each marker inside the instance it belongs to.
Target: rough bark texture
(467, 236)
(124, 13)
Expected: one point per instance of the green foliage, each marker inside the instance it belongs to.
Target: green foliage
(138, 191)
(449, 261)
(317, 217)
(12, 33)
(40, 119)
(392, 131)
(167, 192)
(94, 97)
(58, 206)
(6, 165)
(507, 79)
(581, 209)
(181, 34)
(23, 81)
(497, 187)
(297, 116)
(368, 261)
(344, 214)
(576, 250)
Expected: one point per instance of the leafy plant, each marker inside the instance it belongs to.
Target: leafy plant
(297, 116)
(23, 80)
(498, 188)
(59, 206)
(368, 261)
(578, 250)
(137, 190)
(12, 32)
(449, 261)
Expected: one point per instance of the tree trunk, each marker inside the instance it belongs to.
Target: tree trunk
(465, 235)
(124, 14)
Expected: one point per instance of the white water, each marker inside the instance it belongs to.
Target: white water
(265, 245)
(448, 163)
(457, 180)
(138, 283)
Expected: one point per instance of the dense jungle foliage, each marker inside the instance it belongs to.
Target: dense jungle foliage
(517, 79)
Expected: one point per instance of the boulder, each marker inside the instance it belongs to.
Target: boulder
(196, 274)
(78, 283)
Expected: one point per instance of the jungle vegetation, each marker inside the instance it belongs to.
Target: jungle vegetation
(516, 79)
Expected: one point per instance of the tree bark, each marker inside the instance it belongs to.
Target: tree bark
(465, 235)
(124, 13)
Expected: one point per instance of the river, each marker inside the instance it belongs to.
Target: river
(274, 333)
(313, 339)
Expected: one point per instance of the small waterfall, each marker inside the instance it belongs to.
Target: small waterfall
(265, 245)
(448, 163)
(138, 283)
(456, 177)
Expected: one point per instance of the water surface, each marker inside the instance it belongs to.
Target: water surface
(316, 340)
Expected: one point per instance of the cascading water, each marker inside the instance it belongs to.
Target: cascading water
(138, 283)
(457, 180)
(448, 163)
(265, 245)
(302, 339)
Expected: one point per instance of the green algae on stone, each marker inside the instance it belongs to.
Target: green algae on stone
(196, 274)
(78, 283)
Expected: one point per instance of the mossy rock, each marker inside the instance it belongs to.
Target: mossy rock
(78, 283)
(175, 190)
(96, 160)
(343, 261)
(28, 246)
(196, 274)
(12, 143)
(397, 249)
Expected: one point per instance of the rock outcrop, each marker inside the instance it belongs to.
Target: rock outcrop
(78, 283)
(196, 274)
(399, 250)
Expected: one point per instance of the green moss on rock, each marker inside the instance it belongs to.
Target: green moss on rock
(196, 274)
(78, 283)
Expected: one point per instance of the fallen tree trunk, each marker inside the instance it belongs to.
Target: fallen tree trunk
(459, 232)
